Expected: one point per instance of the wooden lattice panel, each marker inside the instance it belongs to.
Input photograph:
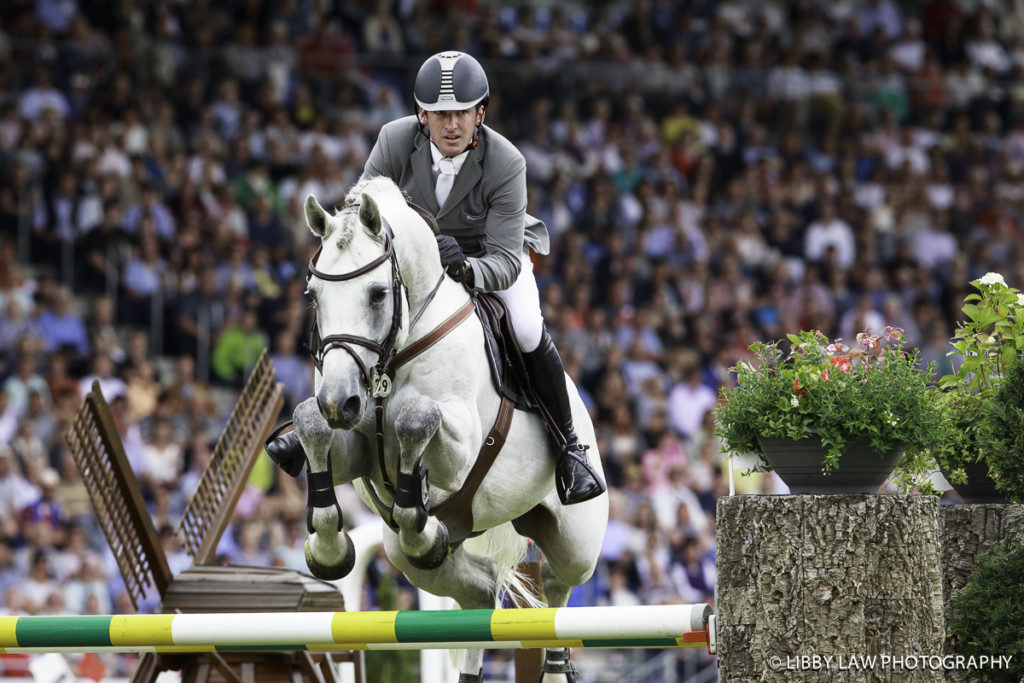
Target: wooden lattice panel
(114, 490)
(210, 510)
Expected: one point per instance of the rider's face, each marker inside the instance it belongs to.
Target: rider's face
(452, 131)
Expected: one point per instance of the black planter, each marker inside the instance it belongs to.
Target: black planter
(980, 488)
(799, 463)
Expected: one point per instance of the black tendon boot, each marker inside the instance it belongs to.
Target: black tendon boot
(575, 480)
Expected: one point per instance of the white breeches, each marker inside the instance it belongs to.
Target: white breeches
(523, 303)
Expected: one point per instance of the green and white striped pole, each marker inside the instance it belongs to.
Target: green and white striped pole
(658, 626)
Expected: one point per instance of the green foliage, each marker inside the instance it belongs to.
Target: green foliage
(874, 391)
(988, 614)
(990, 338)
(1005, 432)
(966, 434)
(980, 405)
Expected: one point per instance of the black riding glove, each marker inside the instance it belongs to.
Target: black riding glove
(452, 258)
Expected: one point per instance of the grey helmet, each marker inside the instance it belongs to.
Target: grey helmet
(451, 81)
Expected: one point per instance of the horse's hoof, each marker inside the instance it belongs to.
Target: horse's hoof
(437, 554)
(334, 572)
(557, 662)
(472, 678)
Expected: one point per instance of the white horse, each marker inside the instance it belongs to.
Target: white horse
(369, 288)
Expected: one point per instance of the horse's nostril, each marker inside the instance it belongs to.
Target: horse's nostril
(350, 411)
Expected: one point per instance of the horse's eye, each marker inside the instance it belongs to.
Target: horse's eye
(378, 294)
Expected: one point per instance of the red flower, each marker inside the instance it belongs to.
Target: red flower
(842, 362)
(797, 389)
(824, 374)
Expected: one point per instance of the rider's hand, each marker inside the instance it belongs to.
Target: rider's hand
(452, 258)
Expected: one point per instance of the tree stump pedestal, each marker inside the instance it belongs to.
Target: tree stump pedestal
(840, 576)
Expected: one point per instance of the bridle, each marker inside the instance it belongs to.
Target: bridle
(376, 380)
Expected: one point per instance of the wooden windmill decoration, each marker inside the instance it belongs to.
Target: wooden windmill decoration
(97, 448)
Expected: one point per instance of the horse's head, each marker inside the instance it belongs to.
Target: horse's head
(358, 290)
(352, 289)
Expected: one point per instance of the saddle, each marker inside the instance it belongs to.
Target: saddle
(508, 370)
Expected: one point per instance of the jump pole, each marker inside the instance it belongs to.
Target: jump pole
(656, 626)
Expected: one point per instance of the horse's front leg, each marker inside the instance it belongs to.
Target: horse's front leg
(423, 538)
(330, 554)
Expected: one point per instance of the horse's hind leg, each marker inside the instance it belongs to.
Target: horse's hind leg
(330, 554)
(468, 578)
(570, 538)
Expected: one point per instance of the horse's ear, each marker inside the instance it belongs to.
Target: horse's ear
(316, 216)
(369, 214)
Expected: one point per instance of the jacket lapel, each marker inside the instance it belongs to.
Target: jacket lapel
(421, 171)
(469, 175)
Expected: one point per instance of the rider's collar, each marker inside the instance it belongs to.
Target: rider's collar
(436, 155)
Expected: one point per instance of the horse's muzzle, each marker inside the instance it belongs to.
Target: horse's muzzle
(340, 412)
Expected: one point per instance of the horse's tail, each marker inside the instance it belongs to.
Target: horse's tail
(506, 549)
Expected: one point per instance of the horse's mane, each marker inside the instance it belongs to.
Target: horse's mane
(381, 188)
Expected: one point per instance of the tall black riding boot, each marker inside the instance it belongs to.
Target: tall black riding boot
(575, 480)
(286, 451)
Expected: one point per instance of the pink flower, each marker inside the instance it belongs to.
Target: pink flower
(824, 374)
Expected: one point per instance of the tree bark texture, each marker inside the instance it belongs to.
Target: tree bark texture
(842, 575)
(969, 530)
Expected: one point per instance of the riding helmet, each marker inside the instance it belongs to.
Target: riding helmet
(451, 81)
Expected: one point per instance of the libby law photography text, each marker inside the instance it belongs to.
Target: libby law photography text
(895, 662)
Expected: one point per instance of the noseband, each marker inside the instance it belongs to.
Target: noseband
(376, 380)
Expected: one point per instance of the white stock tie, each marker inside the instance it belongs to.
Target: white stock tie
(445, 180)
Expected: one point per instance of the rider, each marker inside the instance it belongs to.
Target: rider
(473, 181)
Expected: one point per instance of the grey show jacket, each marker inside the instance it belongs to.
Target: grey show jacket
(486, 210)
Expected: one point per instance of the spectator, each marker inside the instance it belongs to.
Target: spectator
(163, 457)
(238, 348)
(688, 401)
(103, 372)
(61, 327)
(42, 97)
(150, 206)
(25, 380)
(830, 231)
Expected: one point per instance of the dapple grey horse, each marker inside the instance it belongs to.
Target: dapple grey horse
(377, 275)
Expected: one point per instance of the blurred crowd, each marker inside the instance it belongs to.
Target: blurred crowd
(712, 173)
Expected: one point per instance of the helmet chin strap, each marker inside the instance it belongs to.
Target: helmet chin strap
(476, 138)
